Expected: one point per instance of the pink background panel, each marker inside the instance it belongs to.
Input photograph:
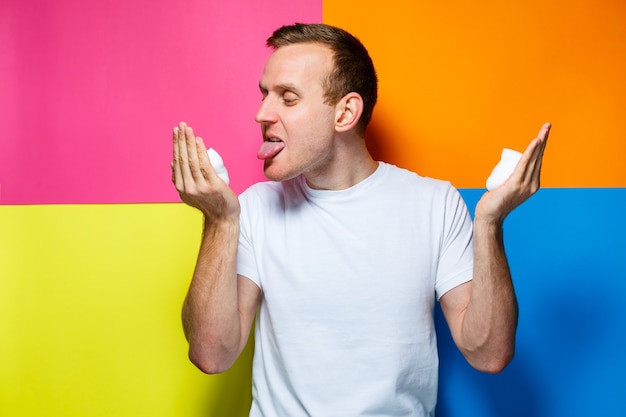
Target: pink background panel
(89, 92)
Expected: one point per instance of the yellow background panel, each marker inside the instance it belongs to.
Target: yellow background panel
(461, 80)
(90, 299)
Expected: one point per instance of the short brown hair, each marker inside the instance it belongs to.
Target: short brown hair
(353, 68)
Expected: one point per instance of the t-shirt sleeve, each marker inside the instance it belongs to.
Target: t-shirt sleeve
(456, 261)
(246, 262)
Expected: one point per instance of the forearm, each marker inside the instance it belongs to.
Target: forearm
(211, 319)
(490, 321)
(484, 318)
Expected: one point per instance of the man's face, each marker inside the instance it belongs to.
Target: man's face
(297, 126)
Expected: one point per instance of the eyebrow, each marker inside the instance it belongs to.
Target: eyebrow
(283, 86)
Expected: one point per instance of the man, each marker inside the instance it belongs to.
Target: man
(342, 256)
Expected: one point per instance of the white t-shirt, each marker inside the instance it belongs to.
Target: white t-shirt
(349, 280)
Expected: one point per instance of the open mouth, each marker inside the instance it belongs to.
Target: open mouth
(270, 148)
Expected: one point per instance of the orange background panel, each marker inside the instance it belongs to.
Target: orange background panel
(461, 80)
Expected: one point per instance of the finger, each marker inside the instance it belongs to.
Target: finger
(188, 159)
(531, 175)
(542, 138)
(545, 131)
(192, 155)
(204, 161)
(177, 177)
(183, 158)
(527, 161)
(531, 164)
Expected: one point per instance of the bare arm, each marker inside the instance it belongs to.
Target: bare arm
(482, 314)
(220, 306)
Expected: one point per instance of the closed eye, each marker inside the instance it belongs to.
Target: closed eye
(290, 98)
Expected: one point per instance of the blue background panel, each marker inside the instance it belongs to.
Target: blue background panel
(567, 255)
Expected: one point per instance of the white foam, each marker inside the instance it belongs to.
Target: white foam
(503, 170)
(218, 164)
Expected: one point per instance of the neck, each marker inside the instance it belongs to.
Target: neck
(349, 164)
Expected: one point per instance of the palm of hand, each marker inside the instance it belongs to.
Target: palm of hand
(496, 204)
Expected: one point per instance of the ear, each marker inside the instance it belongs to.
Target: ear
(348, 112)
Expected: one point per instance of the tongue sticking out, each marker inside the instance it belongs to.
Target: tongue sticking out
(270, 149)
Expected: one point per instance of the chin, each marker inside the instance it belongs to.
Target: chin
(274, 173)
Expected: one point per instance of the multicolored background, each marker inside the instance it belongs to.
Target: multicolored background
(96, 250)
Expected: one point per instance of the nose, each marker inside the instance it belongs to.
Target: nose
(266, 113)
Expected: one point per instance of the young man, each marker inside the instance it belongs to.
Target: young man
(342, 256)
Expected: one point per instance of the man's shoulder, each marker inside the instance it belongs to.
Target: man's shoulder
(408, 178)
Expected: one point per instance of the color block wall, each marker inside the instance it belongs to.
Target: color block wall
(96, 251)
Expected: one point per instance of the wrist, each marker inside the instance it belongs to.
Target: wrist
(488, 227)
(221, 225)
